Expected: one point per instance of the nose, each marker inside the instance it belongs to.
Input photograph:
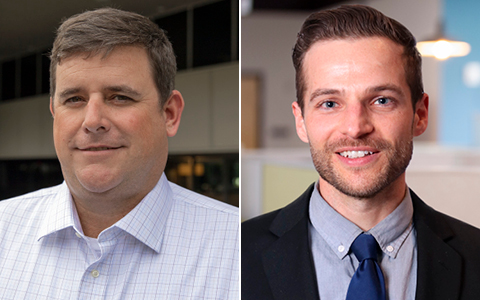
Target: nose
(357, 121)
(96, 120)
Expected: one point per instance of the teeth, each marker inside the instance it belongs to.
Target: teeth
(355, 154)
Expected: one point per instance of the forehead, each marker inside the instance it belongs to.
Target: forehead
(107, 55)
(126, 62)
(360, 60)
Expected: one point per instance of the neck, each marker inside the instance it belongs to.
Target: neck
(365, 212)
(98, 211)
(96, 217)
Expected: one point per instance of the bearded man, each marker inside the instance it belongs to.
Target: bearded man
(359, 232)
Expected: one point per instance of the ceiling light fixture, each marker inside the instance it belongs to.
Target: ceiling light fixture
(443, 48)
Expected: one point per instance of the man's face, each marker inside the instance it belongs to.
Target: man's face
(110, 130)
(358, 116)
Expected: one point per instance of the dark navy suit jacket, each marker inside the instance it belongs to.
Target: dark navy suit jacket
(277, 261)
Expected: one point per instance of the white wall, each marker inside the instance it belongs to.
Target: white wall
(267, 41)
(26, 129)
(210, 120)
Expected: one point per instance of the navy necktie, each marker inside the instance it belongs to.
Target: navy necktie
(367, 283)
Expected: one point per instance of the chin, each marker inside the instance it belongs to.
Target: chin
(361, 193)
(98, 187)
(99, 182)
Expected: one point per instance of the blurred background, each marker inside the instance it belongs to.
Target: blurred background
(276, 165)
(203, 155)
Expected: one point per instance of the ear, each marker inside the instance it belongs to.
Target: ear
(173, 112)
(421, 116)
(299, 122)
(51, 107)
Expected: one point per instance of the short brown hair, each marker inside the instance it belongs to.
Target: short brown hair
(357, 21)
(101, 30)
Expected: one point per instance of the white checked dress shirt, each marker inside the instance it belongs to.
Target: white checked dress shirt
(175, 244)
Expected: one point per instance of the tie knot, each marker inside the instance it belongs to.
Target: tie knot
(365, 247)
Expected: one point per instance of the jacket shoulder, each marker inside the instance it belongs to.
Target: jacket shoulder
(455, 232)
(256, 232)
(266, 228)
(261, 233)
(466, 238)
(445, 243)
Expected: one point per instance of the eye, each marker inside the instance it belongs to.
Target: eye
(383, 101)
(328, 104)
(121, 98)
(75, 99)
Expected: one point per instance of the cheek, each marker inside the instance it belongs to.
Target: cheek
(397, 128)
(64, 129)
(131, 123)
(319, 130)
(146, 129)
(130, 120)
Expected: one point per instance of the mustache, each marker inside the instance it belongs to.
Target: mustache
(376, 143)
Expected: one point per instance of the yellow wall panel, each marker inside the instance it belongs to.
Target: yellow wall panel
(283, 184)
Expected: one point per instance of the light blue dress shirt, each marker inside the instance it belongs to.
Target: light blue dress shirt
(331, 236)
(175, 244)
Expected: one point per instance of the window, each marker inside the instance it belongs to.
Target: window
(212, 26)
(176, 29)
(8, 80)
(28, 75)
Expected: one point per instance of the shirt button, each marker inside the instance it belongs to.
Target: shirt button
(341, 248)
(78, 235)
(95, 273)
(390, 248)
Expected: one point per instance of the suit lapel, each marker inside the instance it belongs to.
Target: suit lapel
(439, 266)
(288, 263)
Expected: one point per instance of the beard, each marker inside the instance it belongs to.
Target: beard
(367, 185)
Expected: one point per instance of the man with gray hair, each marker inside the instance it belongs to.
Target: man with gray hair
(116, 228)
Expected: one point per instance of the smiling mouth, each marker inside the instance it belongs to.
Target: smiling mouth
(355, 154)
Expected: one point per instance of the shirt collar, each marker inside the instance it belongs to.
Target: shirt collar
(335, 229)
(339, 232)
(392, 231)
(146, 222)
(58, 215)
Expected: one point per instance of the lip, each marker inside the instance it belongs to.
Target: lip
(358, 161)
(361, 148)
(98, 148)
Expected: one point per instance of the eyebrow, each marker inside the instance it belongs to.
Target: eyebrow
(68, 92)
(387, 87)
(380, 88)
(323, 92)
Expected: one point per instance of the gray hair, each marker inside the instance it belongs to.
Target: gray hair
(102, 30)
